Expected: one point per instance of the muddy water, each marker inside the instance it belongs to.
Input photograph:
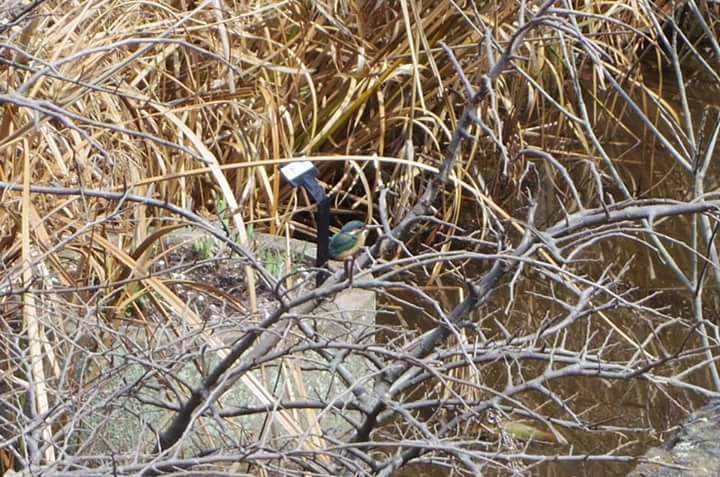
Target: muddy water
(634, 404)
(646, 411)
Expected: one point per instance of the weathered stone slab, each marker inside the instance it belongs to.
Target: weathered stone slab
(280, 244)
(348, 318)
(694, 451)
(350, 313)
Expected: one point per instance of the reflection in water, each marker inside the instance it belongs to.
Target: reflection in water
(639, 413)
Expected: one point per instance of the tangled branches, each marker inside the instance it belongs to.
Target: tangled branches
(120, 355)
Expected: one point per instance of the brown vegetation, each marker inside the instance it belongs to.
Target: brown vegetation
(544, 175)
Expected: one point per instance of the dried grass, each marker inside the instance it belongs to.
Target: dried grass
(188, 102)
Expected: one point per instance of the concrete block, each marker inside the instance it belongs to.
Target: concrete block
(349, 318)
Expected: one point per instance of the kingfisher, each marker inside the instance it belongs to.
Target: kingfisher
(346, 243)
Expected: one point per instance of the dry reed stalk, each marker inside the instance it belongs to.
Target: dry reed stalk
(38, 382)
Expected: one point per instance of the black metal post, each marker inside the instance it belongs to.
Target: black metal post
(323, 245)
(322, 216)
(302, 174)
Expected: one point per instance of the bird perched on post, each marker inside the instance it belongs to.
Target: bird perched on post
(346, 243)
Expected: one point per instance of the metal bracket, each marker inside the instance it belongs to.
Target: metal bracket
(303, 174)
